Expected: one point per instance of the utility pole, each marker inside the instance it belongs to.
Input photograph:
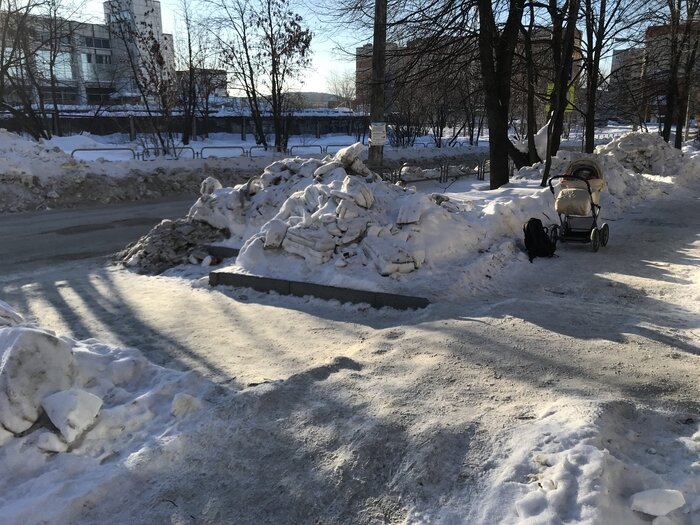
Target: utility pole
(376, 103)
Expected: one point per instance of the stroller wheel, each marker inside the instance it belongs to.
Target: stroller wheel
(604, 234)
(595, 239)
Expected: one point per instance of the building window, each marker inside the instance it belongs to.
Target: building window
(101, 43)
(62, 69)
(15, 60)
(89, 73)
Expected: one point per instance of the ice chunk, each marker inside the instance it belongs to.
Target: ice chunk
(346, 156)
(358, 190)
(275, 232)
(411, 209)
(209, 186)
(72, 411)
(387, 255)
(184, 404)
(347, 209)
(657, 502)
(34, 364)
(325, 168)
(411, 173)
(50, 442)
(358, 168)
(313, 245)
(125, 369)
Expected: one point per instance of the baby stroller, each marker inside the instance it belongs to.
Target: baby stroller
(578, 204)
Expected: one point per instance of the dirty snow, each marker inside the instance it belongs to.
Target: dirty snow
(95, 432)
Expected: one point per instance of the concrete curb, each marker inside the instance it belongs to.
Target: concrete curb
(300, 289)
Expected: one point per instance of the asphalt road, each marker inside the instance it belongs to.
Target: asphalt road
(34, 239)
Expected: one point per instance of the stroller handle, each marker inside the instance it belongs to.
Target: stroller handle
(576, 177)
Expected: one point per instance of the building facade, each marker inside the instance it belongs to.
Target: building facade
(74, 63)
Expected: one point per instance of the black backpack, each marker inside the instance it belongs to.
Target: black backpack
(537, 240)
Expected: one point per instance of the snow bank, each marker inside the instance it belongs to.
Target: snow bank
(647, 153)
(43, 175)
(74, 414)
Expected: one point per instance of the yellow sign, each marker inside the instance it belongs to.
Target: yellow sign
(569, 97)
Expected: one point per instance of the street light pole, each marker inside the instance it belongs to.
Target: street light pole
(376, 109)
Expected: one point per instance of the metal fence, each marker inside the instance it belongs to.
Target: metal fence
(152, 153)
(239, 149)
(77, 150)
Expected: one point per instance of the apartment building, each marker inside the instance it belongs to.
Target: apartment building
(91, 63)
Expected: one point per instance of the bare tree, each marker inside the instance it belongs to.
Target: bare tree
(146, 54)
(676, 45)
(187, 81)
(264, 45)
(496, 50)
(605, 21)
(232, 25)
(56, 27)
(283, 49)
(17, 67)
(342, 85)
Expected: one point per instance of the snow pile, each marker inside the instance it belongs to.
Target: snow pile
(74, 413)
(587, 462)
(648, 153)
(332, 220)
(24, 159)
(349, 215)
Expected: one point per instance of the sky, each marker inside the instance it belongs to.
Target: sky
(327, 60)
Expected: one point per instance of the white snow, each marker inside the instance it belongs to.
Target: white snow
(119, 426)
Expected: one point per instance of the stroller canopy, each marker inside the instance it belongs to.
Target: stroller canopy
(588, 169)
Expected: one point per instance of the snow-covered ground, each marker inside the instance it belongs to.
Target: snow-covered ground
(563, 391)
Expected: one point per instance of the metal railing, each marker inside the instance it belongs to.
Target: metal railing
(306, 146)
(133, 153)
(240, 149)
(151, 153)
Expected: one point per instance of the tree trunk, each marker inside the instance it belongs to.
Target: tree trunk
(496, 57)
(563, 48)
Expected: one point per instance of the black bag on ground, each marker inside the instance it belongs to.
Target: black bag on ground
(537, 241)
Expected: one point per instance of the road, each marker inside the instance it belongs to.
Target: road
(34, 239)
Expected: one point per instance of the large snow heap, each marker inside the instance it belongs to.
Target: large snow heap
(322, 210)
(648, 153)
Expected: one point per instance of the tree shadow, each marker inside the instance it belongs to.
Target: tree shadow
(308, 449)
